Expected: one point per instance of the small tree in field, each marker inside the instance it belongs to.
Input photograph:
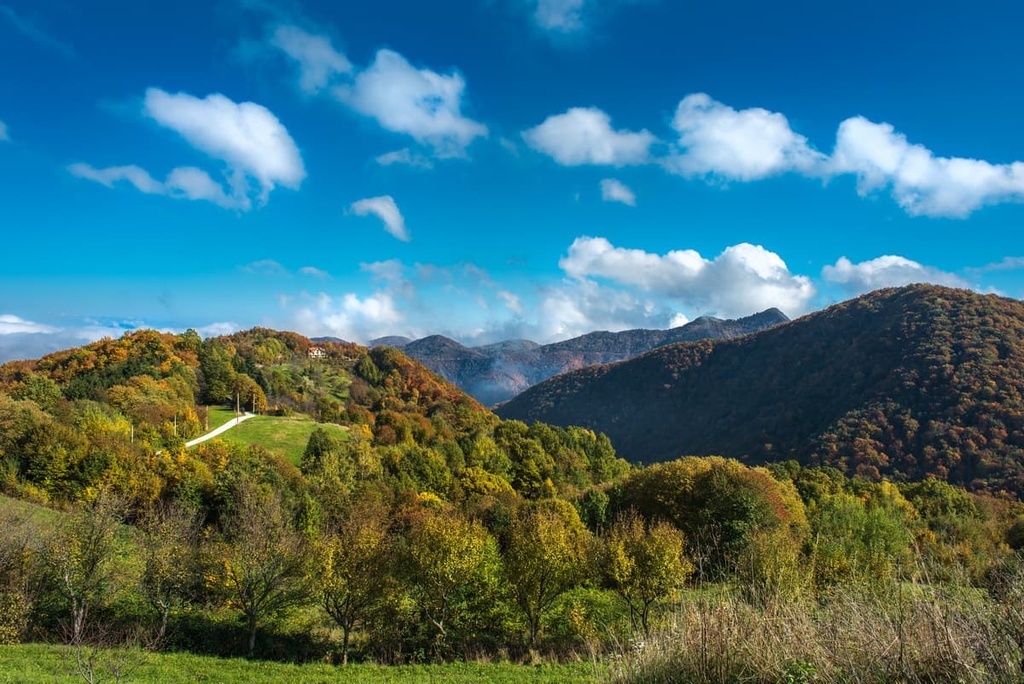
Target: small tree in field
(353, 569)
(545, 556)
(264, 561)
(78, 560)
(169, 542)
(644, 564)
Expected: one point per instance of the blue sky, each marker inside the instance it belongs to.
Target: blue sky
(491, 169)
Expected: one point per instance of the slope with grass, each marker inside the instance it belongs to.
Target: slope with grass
(285, 436)
(55, 664)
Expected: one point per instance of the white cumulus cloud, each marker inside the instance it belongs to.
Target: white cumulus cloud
(246, 136)
(386, 210)
(613, 190)
(742, 280)
(748, 144)
(886, 271)
(584, 135)
(349, 316)
(922, 184)
(420, 103)
(319, 63)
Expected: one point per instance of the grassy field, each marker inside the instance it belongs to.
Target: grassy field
(286, 436)
(43, 663)
(219, 415)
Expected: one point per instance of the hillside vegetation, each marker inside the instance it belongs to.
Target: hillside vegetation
(415, 526)
(906, 383)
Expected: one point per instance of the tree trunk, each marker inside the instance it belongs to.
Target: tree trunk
(252, 634)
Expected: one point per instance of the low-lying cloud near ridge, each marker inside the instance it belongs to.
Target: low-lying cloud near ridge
(602, 286)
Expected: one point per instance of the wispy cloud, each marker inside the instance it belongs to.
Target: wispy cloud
(1005, 264)
(559, 16)
(613, 190)
(4, 136)
(319, 63)
(314, 272)
(265, 267)
(405, 157)
(184, 182)
(386, 210)
(37, 35)
(11, 324)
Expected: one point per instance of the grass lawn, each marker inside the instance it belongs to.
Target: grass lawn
(286, 436)
(219, 415)
(43, 663)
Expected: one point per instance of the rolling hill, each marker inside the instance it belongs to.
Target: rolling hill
(906, 383)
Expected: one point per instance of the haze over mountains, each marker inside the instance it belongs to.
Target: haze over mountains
(497, 372)
(908, 383)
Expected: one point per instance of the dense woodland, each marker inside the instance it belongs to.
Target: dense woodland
(434, 531)
(907, 383)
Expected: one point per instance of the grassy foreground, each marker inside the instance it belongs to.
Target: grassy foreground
(43, 663)
(286, 436)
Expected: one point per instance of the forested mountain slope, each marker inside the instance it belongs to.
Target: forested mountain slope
(907, 382)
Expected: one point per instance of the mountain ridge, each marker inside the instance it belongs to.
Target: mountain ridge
(903, 382)
(496, 372)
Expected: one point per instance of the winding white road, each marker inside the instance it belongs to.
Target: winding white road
(223, 428)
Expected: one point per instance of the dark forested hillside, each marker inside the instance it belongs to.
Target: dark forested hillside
(904, 382)
(497, 372)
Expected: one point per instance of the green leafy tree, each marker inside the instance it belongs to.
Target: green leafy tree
(644, 564)
(719, 504)
(446, 551)
(546, 554)
(854, 538)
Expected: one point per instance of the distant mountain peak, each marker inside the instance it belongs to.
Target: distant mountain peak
(496, 372)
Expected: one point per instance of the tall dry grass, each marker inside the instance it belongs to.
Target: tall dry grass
(852, 635)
